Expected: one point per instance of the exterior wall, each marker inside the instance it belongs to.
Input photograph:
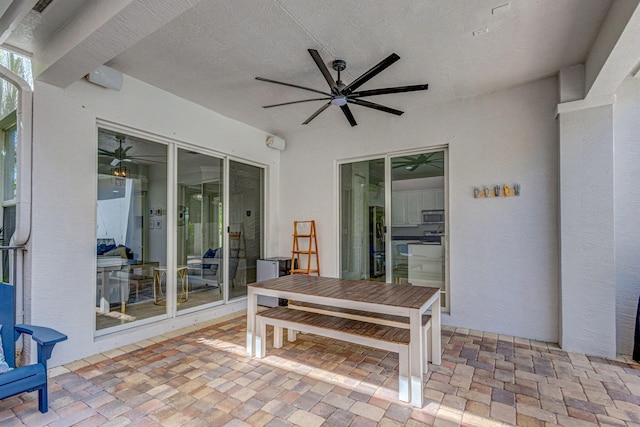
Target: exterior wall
(587, 244)
(627, 210)
(503, 252)
(62, 251)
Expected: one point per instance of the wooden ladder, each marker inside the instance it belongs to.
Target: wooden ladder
(305, 245)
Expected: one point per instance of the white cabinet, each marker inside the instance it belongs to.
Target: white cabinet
(438, 196)
(426, 265)
(399, 208)
(407, 206)
(415, 204)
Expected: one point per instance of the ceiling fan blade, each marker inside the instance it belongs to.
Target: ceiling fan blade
(370, 74)
(115, 162)
(347, 113)
(324, 70)
(292, 85)
(376, 106)
(398, 89)
(295, 102)
(314, 115)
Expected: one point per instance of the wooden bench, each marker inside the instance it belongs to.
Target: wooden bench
(384, 337)
(366, 316)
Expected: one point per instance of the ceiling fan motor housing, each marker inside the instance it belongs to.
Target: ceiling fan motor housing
(339, 65)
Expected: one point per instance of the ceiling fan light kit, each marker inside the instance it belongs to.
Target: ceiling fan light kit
(340, 94)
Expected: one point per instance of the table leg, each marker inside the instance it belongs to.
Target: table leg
(436, 351)
(416, 348)
(252, 308)
(104, 302)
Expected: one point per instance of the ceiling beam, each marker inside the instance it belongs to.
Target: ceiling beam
(11, 14)
(100, 31)
(615, 51)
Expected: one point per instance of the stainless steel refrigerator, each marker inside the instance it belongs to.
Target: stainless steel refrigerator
(376, 241)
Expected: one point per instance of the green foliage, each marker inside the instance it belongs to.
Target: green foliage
(8, 92)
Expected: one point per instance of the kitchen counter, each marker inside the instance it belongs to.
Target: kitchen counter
(427, 238)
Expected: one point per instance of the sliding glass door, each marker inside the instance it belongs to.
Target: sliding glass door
(418, 220)
(200, 278)
(246, 216)
(393, 220)
(362, 239)
(177, 230)
(131, 228)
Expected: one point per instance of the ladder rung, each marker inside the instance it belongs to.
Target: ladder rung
(299, 271)
(302, 235)
(304, 252)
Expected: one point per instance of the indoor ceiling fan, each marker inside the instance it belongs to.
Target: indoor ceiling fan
(411, 163)
(341, 94)
(120, 154)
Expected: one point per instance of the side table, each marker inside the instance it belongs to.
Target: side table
(183, 276)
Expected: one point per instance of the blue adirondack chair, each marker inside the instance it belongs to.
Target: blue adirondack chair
(31, 377)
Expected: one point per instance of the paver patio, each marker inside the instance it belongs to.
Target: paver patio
(202, 377)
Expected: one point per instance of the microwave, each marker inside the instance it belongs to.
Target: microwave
(433, 217)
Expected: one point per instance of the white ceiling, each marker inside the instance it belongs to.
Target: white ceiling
(212, 52)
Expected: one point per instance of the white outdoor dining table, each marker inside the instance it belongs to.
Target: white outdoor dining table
(400, 300)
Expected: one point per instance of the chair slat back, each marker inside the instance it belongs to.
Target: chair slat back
(8, 321)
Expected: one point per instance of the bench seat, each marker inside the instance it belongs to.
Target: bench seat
(366, 316)
(375, 335)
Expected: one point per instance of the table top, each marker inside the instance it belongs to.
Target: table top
(406, 296)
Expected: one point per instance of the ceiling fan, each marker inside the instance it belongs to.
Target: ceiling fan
(120, 154)
(411, 163)
(341, 94)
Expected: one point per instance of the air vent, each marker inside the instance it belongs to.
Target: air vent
(41, 5)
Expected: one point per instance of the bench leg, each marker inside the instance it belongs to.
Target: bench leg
(427, 346)
(277, 336)
(291, 334)
(403, 374)
(261, 337)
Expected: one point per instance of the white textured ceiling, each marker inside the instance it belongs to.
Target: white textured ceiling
(211, 53)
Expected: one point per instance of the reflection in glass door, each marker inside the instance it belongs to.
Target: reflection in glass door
(362, 207)
(246, 218)
(200, 278)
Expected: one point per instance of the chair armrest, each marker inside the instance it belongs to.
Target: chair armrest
(40, 334)
(46, 338)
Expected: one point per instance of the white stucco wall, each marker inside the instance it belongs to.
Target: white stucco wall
(626, 114)
(587, 322)
(503, 252)
(63, 247)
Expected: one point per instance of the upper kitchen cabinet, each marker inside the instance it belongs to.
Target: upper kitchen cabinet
(400, 208)
(438, 198)
(407, 206)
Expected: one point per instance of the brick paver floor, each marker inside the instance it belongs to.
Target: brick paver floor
(202, 377)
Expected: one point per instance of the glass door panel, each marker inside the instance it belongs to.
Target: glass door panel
(245, 232)
(199, 229)
(131, 228)
(418, 220)
(362, 206)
